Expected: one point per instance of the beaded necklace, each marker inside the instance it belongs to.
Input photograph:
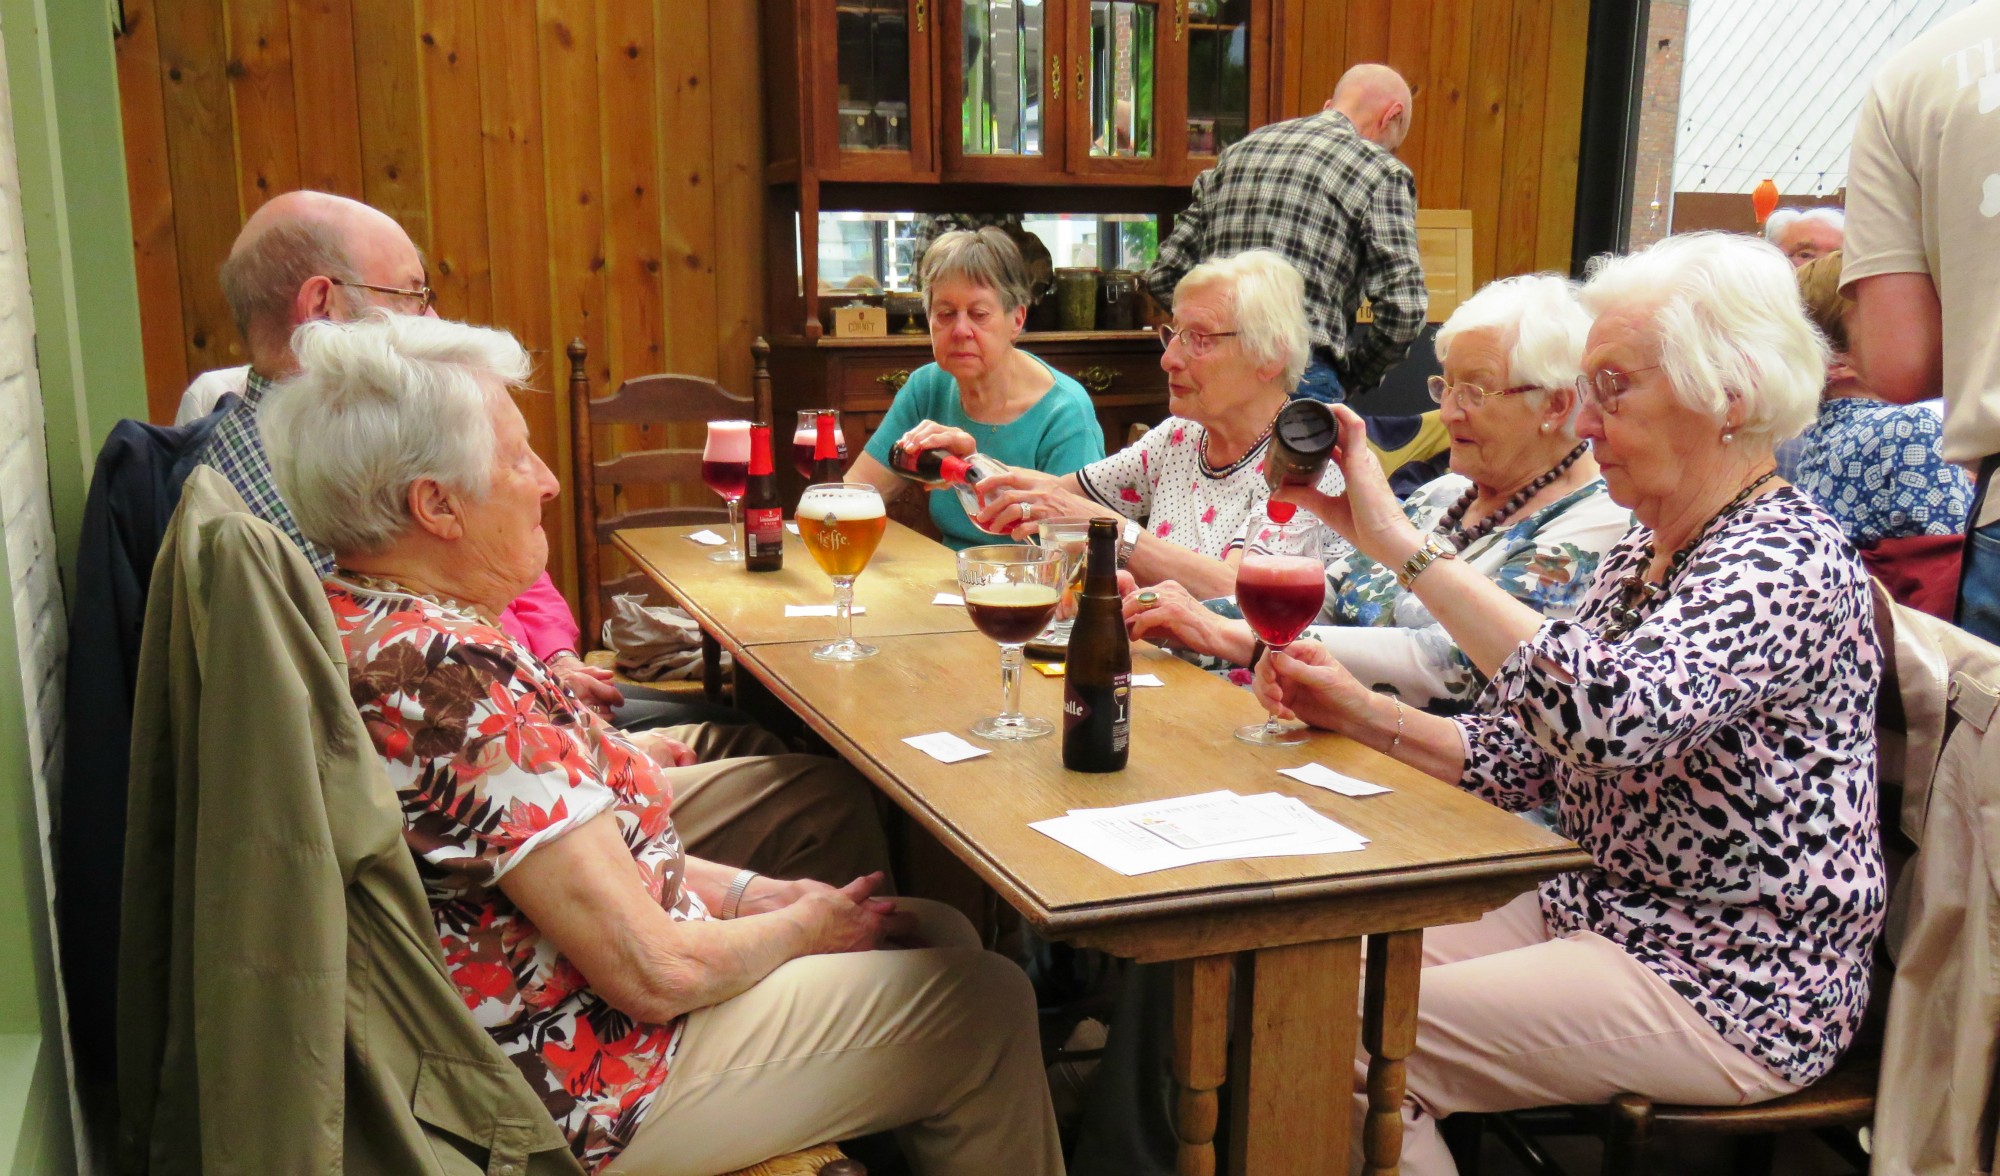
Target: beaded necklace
(1640, 593)
(1449, 527)
(1213, 470)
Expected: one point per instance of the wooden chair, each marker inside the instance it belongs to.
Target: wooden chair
(646, 400)
(1842, 1101)
(824, 1160)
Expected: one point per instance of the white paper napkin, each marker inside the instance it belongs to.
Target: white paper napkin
(946, 748)
(792, 527)
(707, 539)
(948, 598)
(1147, 680)
(1321, 776)
(819, 610)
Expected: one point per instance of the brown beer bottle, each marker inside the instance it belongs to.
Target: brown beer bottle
(1097, 685)
(763, 517)
(1303, 438)
(826, 450)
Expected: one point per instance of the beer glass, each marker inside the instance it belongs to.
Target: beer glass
(1011, 591)
(1069, 536)
(725, 469)
(1280, 586)
(806, 435)
(841, 523)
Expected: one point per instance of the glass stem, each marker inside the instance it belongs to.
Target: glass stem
(1010, 683)
(735, 524)
(843, 610)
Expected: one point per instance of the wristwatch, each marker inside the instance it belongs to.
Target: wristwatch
(1432, 550)
(1128, 538)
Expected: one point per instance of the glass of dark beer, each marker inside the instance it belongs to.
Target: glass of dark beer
(1011, 591)
(1280, 586)
(841, 523)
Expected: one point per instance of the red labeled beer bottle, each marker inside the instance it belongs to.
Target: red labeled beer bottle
(1097, 685)
(826, 450)
(763, 517)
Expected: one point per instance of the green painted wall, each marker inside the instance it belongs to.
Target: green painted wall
(62, 83)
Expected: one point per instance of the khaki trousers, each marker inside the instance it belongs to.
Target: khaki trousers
(750, 802)
(937, 1043)
(1510, 1017)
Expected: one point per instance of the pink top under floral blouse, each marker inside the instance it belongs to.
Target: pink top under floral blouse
(493, 758)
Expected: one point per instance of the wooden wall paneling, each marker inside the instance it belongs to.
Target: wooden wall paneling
(572, 154)
(149, 190)
(1521, 159)
(461, 271)
(1367, 33)
(1561, 133)
(739, 186)
(1409, 53)
(510, 85)
(1486, 131)
(261, 101)
(202, 164)
(635, 305)
(687, 188)
(388, 80)
(1288, 39)
(325, 96)
(1326, 57)
(1440, 165)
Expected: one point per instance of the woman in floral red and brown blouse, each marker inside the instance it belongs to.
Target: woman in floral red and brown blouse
(676, 1016)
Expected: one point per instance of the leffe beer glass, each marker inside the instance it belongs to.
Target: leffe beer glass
(841, 523)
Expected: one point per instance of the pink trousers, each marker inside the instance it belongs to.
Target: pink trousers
(1510, 1017)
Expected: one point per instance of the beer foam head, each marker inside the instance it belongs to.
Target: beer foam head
(808, 434)
(727, 441)
(842, 504)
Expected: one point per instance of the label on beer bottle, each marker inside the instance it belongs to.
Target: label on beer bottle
(763, 530)
(1097, 723)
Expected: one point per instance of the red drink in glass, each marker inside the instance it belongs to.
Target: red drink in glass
(804, 437)
(727, 478)
(1280, 595)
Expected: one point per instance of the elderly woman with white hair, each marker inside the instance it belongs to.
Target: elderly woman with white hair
(1523, 504)
(1234, 353)
(675, 1015)
(1705, 726)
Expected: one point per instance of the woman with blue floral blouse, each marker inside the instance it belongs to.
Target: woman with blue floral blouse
(1523, 504)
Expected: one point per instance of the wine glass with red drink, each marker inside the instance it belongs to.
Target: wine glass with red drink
(725, 469)
(1010, 591)
(807, 433)
(1280, 586)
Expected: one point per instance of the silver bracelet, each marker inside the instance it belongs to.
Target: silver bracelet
(733, 897)
(1397, 741)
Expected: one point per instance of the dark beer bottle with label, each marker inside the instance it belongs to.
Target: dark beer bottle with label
(763, 517)
(1303, 439)
(1097, 683)
(826, 449)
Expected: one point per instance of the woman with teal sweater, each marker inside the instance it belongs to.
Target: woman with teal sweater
(1015, 408)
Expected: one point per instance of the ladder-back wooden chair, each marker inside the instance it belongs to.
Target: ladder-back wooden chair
(674, 470)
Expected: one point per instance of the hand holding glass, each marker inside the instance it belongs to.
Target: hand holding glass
(725, 469)
(841, 523)
(1011, 592)
(1280, 586)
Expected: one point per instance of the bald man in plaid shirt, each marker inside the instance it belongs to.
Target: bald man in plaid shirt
(1328, 193)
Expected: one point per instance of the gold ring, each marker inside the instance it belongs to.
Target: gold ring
(1149, 598)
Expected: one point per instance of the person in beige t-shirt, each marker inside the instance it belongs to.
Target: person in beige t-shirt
(1923, 258)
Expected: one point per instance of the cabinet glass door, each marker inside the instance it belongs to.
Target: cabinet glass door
(873, 64)
(1218, 40)
(1007, 81)
(1129, 86)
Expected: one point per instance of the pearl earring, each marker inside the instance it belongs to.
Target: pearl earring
(1728, 437)
(1545, 426)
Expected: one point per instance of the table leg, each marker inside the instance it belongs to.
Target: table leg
(1389, 1029)
(1201, 1057)
(711, 667)
(1292, 1080)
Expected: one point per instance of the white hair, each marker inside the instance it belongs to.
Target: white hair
(1726, 311)
(377, 404)
(1268, 299)
(1543, 322)
(1784, 218)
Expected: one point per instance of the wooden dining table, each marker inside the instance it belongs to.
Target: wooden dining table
(1290, 931)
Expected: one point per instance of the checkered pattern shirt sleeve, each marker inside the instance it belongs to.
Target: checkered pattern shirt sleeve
(1337, 206)
(236, 451)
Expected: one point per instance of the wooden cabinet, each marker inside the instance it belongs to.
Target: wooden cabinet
(854, 93)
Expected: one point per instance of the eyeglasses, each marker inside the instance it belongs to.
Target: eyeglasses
(425, 296)
(1198, 343)
(1605, 387)
(1471, 395)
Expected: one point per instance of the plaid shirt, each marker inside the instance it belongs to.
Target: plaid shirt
(1340, 208)
(236, 451)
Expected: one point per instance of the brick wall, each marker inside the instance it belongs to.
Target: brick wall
(1659, 118)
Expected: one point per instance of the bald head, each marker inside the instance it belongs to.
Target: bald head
(303, 256)
(1377, 101)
